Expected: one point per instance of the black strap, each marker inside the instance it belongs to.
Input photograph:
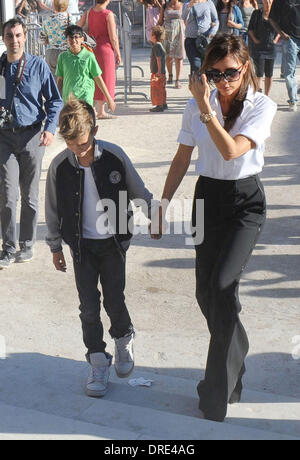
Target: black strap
(20, 71)
(18, 78)
(197, 19)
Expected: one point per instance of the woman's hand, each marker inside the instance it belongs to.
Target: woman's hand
(156, 225)
(199, 87)
(118, 60)
(233, 24)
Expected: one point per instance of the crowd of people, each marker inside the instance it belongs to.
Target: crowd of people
(26, 7)
(229, 125)
(184, 22)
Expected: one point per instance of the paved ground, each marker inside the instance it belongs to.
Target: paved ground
(42, 377)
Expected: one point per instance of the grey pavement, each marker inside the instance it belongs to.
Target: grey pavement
(43, 374)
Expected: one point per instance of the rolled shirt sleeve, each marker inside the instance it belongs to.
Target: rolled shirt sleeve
(256, 122)
(186, 135)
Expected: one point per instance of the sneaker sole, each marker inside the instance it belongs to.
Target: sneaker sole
(19, 260)
(22, 261)
(95, 394)
(123, 376)
(3, 267)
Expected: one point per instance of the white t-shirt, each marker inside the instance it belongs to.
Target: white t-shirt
(73, 7)
(95, 224)
(254, 122)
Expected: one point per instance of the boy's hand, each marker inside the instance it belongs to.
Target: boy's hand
(111, 105)
(157, 225)
(59, 261)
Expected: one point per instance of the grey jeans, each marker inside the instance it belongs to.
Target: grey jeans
(52, 58)
(20, 167)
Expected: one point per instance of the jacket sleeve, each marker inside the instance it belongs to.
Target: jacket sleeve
(238, 17)
(53, 238)
(136, 187)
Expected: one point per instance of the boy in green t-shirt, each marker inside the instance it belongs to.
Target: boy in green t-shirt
(78, 70)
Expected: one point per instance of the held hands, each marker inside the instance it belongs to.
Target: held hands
(158, 224)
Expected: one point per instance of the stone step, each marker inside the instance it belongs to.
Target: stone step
(106, 420)
(264, 411)
(166, 410)
(18, 423)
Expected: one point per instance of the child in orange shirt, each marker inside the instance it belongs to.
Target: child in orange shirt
(158, 70)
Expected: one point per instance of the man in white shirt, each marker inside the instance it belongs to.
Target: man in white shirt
(73, 7)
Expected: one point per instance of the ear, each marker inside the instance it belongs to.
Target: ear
(246, 65)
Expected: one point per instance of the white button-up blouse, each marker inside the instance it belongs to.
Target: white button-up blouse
(254, 122)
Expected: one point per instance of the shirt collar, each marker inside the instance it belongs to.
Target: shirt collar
(249, 102)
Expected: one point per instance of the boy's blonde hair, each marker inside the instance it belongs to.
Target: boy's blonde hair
(158, 32)
(61, 5)
(76, 119)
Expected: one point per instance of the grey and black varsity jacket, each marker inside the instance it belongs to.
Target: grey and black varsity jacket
(116, 179)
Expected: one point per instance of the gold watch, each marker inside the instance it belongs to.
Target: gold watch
(206, 117)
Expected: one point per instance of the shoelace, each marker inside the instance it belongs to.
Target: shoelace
(98, 374)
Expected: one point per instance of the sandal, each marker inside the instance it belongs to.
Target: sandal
(107, 116)
(170, 79)
(178, 85)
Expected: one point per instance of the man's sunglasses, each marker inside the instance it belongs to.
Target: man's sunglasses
(229, 75)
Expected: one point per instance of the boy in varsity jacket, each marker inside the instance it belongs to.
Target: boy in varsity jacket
(88, 193)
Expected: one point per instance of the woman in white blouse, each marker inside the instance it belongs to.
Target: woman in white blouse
(229, 125)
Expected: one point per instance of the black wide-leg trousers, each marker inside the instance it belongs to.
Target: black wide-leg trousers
(234, 213)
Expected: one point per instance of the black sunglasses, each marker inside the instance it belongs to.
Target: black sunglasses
(229, 75)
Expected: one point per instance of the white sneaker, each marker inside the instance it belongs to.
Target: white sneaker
(293, 107)
(124, 357)
(97, 383)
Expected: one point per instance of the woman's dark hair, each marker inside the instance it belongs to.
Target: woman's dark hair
(221, 46)
(220, 5)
